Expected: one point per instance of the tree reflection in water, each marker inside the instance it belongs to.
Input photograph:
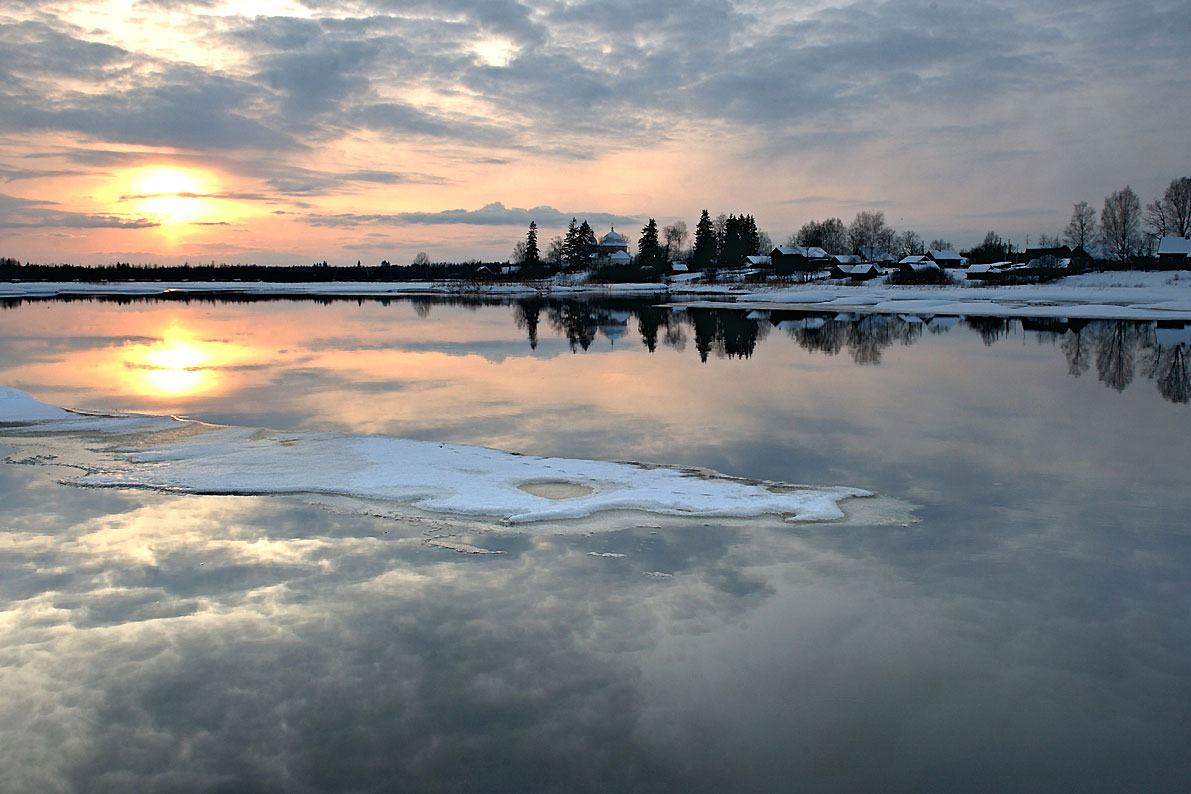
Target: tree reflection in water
(1119, 348)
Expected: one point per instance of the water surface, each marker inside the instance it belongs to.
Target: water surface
(1023, 628)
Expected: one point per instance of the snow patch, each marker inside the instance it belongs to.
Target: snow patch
(172, 454)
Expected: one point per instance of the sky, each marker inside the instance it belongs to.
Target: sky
(298, 131)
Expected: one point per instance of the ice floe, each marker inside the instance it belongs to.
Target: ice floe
(186, 456)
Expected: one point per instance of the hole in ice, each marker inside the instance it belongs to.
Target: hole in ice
(556, 489)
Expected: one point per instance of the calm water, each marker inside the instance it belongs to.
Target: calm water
(1023, 629)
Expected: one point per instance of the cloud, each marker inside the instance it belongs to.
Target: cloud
(494, 214)
(19, 213)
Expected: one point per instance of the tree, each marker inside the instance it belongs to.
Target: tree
(940, 245)
(675, 235)
(705, 244)
(422, 258)
(578, 245)
(649, 249)
(555, 251)
(1048, 241)
(993, 249)
(868, 234)
(1081, 229)
(909, 243)
(831, 235)
(587, 242)
(1119, 223)
(532, 258)
(1177, 201)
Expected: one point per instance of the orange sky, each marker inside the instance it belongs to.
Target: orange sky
(286, 132)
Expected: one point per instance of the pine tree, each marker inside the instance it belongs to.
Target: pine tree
(571, 255)
(649, 248)
(533, 256)
(587, 241)
(705, 243)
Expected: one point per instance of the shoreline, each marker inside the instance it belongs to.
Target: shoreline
(1129, 295)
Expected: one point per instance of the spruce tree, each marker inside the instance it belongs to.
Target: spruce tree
(571, 255)
(533, 256)
(649, 248)
(705, 243)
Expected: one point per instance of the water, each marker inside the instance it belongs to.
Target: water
(1022, 627)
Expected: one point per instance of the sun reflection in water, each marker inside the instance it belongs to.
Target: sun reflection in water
(177, 366)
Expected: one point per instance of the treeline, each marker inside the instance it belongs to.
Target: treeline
(12, 270)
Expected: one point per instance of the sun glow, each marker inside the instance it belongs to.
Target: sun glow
(177, 366)
(172, 195)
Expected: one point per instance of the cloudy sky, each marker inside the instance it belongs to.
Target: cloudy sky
(290, 131)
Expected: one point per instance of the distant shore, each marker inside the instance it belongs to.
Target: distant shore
(1135, 295)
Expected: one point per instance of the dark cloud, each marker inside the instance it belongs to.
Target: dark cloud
(494, 214)
(19, 213)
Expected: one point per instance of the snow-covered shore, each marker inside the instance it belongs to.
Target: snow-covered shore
(1136, 295)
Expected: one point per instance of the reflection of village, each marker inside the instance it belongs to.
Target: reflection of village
(1120, 350)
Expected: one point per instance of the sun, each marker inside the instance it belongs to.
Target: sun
(171, 194)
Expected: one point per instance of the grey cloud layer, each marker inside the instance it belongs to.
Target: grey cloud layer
(19, 213)
(494, 214)
(601, 70)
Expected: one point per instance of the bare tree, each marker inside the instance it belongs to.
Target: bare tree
(675, 235)
(555, 250)
(422, 258)
(909, 243)
(1081, 230)
(764, 243)
(1119, 222)
(1177, 202)
(868, 234)
(940, 245)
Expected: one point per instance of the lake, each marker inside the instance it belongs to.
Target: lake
(1007, 613)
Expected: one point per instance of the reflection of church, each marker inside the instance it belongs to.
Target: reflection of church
(613, 248)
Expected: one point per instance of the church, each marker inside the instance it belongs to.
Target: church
(612, 249)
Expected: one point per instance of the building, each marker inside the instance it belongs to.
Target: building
(789, 259)
(945, 258)
(611, 243)
(1174, 252)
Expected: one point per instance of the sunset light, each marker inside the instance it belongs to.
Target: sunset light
(172, 195)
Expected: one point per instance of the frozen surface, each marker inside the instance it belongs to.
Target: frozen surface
(180, 455)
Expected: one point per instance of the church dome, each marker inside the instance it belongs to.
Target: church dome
(612, 239)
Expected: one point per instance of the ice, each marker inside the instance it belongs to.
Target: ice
(182, 455)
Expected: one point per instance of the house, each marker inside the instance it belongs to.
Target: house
(847, 259)
(909, 268)
(787, 259)
(914, 259)
(1077, 256)
(758, 261)
(946, 258)
(855, 272)
(1174, 252)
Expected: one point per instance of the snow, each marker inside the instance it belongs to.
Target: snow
(1118, 295)
(1174, 245)
(173, 454)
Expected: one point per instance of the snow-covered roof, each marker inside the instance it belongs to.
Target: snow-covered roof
(921, 267)
(810, 252)
(1174, 245)
(619, 256)
(847, 259)
(913, 259)
(759, 261)
(612, 238)
(678, 267)
(948, 254)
